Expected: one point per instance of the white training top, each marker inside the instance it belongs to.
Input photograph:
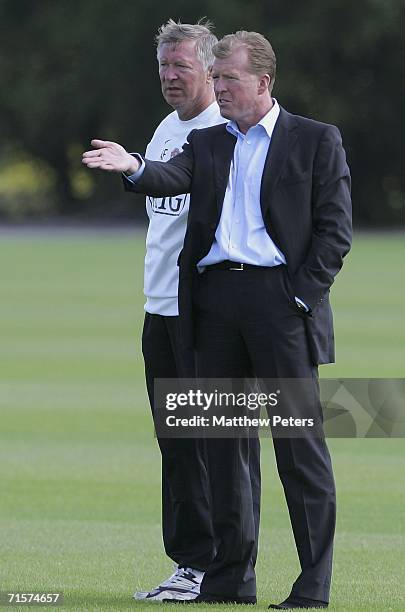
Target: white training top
(168, 216)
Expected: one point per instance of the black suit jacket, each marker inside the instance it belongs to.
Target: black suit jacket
(305, 202)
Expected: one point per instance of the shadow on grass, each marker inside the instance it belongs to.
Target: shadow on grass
(93, 601)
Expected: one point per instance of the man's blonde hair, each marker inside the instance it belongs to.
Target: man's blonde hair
(175, 33)
(262, 59)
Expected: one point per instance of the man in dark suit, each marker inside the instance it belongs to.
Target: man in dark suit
(269, 225)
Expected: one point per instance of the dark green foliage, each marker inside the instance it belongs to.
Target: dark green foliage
(71, 71)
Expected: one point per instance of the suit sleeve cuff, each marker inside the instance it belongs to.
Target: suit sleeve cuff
(136, 175)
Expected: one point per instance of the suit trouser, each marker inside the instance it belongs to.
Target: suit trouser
(248, 323)
(188, 534)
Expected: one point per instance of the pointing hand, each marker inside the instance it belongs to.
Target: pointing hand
(110, 156)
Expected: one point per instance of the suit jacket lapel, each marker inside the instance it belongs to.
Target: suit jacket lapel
(282, 141)
(224, 146)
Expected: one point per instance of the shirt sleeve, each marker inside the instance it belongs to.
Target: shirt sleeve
(301, 304)
(136, 175)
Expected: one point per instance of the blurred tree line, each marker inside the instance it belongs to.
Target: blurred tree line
(71, 71)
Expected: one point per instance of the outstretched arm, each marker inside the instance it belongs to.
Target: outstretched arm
(158, 179)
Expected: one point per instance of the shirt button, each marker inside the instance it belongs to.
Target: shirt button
(236, 220)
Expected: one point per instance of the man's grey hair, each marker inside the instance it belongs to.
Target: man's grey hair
(261, 56)
(175, 33)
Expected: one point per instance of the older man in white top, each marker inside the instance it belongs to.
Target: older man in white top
(185, 58)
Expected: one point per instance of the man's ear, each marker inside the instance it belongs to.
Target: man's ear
(209, 75)
(264, 84)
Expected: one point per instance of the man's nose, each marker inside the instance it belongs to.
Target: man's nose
(219, 86)
(170, 73)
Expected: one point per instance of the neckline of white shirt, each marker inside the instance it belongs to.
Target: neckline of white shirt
(207, 111)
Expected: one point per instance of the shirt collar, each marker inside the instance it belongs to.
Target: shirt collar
(268, 122)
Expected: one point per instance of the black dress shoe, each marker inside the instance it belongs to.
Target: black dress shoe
(211, 599)
(299, 602)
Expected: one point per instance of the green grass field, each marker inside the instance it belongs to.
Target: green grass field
(80, 469)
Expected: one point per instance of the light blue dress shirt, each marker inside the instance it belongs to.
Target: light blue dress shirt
(241, 235)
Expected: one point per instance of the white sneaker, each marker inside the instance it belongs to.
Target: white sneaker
(183, 585)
